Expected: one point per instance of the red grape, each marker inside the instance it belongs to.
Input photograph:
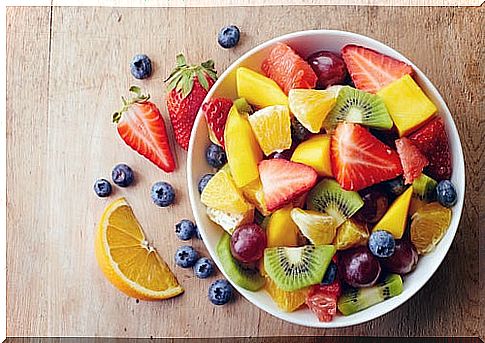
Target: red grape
(248, 243)
(403, 260)
(329, 68)
(375, 205)
(358, 267)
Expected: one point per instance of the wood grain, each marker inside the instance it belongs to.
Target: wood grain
(67, 68)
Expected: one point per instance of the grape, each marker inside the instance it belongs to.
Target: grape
(375, 205)
(358, 267)
(329, 68)
(248, 243)
(403, 260)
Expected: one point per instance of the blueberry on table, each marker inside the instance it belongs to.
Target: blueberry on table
(203, 268)
(203, 182)
(122, 175)
(330, 274)
(162, 194)
(381, 243)
(185, 229)
(228, 36)
(220, 292)
(215, 155)
(102, 188)
(186, 256)
(141, 66)
(446, 193)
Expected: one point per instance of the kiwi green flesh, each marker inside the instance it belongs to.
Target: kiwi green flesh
(246, 278)
(358, 299)
(295, 268)
(243, 106)
(328, 197)
(355, 106)
(424, 188)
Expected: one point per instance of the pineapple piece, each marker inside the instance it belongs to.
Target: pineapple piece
(230, 221)
(407, 104)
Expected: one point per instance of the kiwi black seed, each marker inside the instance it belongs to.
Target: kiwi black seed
(327, 196)
(247, 278)
(424, 188)
(355, 106)
(295, 268)
(359, 299)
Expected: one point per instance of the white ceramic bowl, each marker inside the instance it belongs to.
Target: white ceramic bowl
(306, 42)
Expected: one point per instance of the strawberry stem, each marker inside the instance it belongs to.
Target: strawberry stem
(138, 98)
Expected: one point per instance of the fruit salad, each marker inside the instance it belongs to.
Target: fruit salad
(331, 178)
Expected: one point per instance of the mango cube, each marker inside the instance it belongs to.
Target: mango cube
(395, 219)
(315, 153)
(407, 104)
(258, 89)
(281, 230)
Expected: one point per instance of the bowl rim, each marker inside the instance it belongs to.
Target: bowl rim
(459, 169)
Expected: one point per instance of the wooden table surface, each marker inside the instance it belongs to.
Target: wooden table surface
(66, 70)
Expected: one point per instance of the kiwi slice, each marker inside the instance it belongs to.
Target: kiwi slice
(424, 188)
(295, 268)
(327, 196)
(358, 299)
(247, 278)
(243, 106)
(355, 106)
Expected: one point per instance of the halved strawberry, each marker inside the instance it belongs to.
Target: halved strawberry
(141, 126)
(322, 300)
(359, 159)
(412, 160)
(215, 112)
(284, 181)
(432, 141)
(371, 70)
(288, 69)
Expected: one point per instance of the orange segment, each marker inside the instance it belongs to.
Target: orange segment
(127, 260)
(428, 225)
(286, 301)
(350, 234)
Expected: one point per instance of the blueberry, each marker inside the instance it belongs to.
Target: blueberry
(395, 186)
(203, 268)
(298, 131)
(185, 229)
(162, 194)
(228, 36)
(215, 155)
(330, 274)
(381, 243)
(102, 187)
(186, 256)
(203, 182)
(141, 66)
(220, 292)
(122, 175)
(446, 193)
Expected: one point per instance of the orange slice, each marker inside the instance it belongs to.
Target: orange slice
(126, 258)
(428, 225)
(286, 301)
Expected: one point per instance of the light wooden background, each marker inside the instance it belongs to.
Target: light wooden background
(66, 70)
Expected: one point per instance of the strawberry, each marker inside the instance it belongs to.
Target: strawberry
(288, 69)
(370, 70)
(187, 88)
(284, 181)
(432, 141)
(322, 300)
(141, 126)
(215, 112)
(412, 159)
(359, 159)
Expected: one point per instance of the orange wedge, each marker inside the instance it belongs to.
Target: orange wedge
(126, 258)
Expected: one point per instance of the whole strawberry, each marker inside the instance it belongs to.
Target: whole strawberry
(187, 87)
(141, 126)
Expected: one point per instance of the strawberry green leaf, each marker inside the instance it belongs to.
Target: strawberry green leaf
(181, 62)
(202, 80)
(187, 87)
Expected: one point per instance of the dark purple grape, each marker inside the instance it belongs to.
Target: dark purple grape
(403, 260)
(375, 205)
(329, 68)
(248, 243)
(358, 267)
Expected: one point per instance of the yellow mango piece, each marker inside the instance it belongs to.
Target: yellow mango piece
(253, 192)
(350, 234)
(242, 148)
(258, 89)
(281, 230)
(407, 104)
(315, 153)
(394, 221)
